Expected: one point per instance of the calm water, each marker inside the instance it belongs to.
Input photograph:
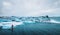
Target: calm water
(42, 28)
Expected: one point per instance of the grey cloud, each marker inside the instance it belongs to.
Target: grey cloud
(34, 8)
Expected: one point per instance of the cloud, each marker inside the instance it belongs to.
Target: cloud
(6, 4)
(33, 7)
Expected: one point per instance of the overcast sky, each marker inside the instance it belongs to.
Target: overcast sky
(30, 7)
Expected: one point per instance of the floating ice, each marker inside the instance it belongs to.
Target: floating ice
(54, 21)
(8, 25)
